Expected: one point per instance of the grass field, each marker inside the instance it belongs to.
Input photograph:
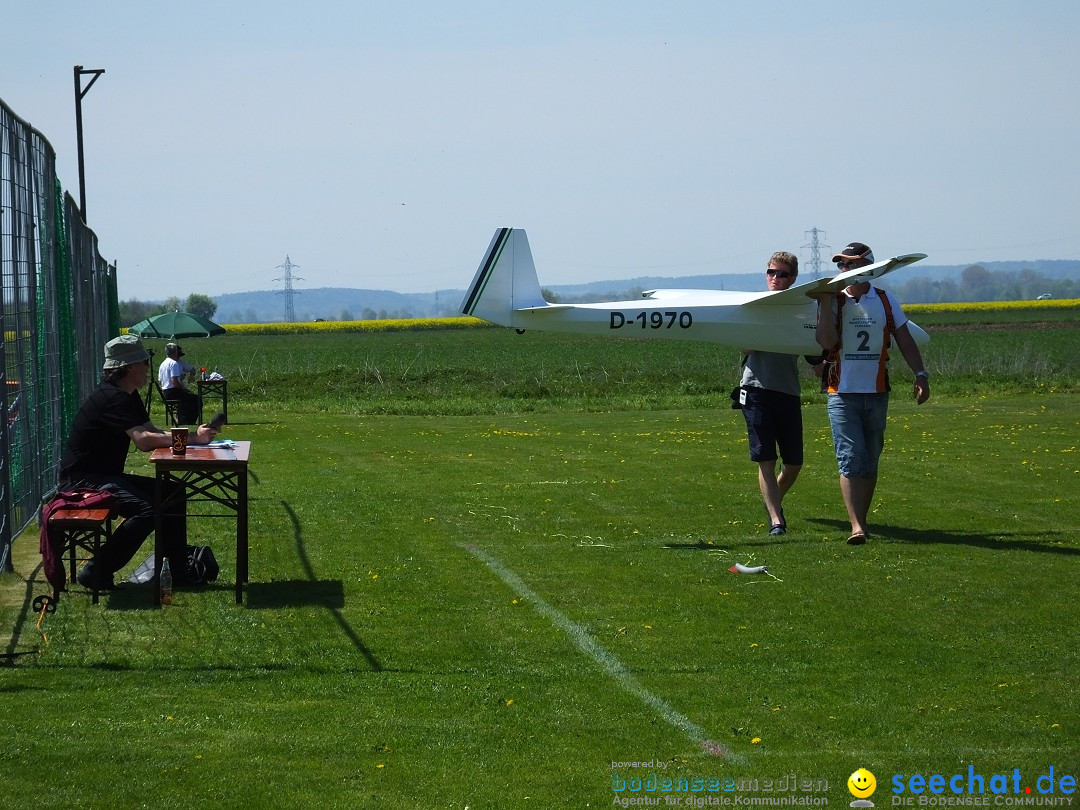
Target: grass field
(496, 371)
(487, 567)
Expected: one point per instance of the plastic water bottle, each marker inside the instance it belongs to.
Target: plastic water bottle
(165, 583)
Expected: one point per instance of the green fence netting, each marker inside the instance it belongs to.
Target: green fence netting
(58, 308)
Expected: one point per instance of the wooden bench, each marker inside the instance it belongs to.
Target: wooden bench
(78, 530)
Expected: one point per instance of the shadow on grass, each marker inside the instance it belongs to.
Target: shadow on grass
(328, 593)
(999, 541)
(131, 596)
(1012, 541)
(10, 655)
(314, 582)
(701, 545)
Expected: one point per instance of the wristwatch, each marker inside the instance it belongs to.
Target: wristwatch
(924, 374)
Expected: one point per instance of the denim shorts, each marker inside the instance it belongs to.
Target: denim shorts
(858, 429)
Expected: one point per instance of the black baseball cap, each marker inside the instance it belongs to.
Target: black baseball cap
(856, 250)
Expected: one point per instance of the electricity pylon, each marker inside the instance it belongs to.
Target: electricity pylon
(288, 292)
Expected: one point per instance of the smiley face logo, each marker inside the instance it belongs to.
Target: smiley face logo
(862, 784)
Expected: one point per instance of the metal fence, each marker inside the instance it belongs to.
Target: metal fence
(58, 308)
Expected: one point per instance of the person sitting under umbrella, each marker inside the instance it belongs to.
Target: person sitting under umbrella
(171, 374)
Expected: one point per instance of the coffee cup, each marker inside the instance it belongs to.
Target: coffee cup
(179, 441)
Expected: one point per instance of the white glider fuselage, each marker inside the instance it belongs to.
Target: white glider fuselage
(506, 291)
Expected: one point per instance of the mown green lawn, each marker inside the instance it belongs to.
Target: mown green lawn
(490, 609)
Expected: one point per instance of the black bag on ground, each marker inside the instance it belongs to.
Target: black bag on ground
(202, 567)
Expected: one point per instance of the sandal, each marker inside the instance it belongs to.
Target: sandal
(782, 524)
(856, 539)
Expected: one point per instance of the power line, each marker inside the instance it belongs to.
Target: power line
(288, 292)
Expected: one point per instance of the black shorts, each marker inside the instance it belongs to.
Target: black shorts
(773, 422)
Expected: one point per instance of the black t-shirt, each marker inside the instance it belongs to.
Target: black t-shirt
(98, 443)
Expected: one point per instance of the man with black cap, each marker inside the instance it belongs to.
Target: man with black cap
(171, 375)
(110, 419)
(857, 326)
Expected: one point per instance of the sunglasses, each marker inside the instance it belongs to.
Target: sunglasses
(846, 265)
(780, 273)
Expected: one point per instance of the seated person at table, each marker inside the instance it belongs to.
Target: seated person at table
(110, 419)
(171, 375)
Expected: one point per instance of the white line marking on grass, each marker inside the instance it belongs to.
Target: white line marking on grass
(606, 660)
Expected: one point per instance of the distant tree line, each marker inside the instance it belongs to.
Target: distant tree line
(249, 315)
(133, 310)
(976, 283)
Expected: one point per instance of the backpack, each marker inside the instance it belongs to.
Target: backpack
(202, 567)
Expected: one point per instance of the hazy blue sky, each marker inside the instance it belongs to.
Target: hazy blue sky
(380, 145)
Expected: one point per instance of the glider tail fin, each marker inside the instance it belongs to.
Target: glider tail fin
(505, 281)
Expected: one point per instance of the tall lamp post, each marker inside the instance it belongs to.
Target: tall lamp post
(81, 91)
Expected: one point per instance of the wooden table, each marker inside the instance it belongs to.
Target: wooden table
(208, 475)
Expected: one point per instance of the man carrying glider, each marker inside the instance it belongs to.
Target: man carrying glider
(769, 397)
(857, 326)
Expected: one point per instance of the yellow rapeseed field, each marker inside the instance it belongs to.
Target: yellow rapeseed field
(993, 306)
(323, 327)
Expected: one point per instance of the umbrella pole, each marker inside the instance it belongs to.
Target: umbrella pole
(149, 380)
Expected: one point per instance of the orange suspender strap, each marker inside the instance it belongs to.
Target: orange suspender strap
(883, 361)
(832, 362)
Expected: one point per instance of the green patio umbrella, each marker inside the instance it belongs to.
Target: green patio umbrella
(172, 326)
(176, 326)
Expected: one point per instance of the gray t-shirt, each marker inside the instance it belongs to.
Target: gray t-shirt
(773, 371)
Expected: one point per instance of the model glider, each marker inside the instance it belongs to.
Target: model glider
(506, 291)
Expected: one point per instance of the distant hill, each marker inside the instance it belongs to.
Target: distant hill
(335, 304)
(342, 303)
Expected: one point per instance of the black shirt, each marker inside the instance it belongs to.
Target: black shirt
(98, 443)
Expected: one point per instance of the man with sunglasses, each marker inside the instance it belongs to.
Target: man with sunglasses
(857, 327)
(110, 419)
(769, 398)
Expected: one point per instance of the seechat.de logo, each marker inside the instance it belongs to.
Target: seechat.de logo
(862, 785)
(1005, 788)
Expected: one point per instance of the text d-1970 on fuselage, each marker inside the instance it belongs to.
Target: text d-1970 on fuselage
(654, 319)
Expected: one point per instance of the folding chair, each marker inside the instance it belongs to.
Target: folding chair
(172, 409)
